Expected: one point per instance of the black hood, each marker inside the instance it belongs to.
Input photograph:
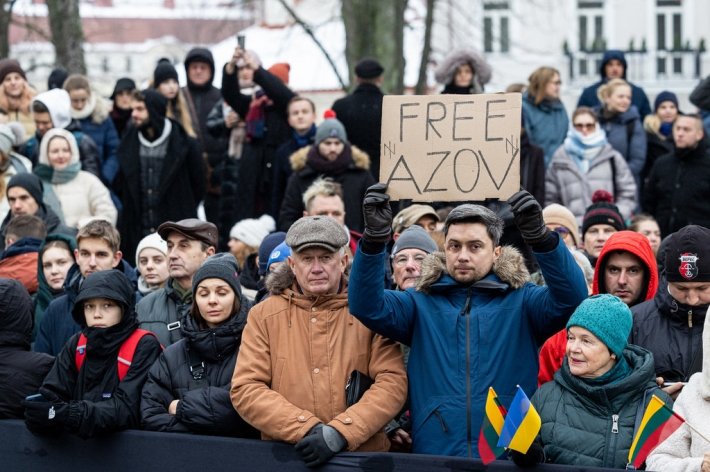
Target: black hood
(202, 55)
(15, 314)
(157, 106)
(111, 284)
(608, 56)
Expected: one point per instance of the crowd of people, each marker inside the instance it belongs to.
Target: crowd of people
(304, 307)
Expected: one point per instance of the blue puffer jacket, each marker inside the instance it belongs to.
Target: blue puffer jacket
(465, 339)
(625, 133)
(546, 124)
(105, 136)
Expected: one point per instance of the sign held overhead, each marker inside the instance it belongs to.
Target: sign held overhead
(451, 147)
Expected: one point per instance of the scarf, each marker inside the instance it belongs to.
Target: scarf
(582, 149)
(666, 129)
(620, 370)
(87, 110)
(256, 116)
(323, 166)
(305, 139)
(57, 176)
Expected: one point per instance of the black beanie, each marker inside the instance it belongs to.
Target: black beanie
(157, 106)
(602, 212)
(29, 182)
(221, 266)
(164, 71)
(56, 78)
(688, 255)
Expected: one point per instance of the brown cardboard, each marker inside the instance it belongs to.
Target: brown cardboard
(451, 147)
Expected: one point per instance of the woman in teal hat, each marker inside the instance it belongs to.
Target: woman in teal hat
(590, 410)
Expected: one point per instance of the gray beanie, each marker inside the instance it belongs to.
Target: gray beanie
(221, 266)
(414, 237)
(331, 127)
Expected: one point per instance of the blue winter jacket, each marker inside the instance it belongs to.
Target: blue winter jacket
(105, 136)
(589, 96)
(546, 124)
(625, 134)
(466, 338)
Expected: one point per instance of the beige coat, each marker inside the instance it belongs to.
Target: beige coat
(296, 355)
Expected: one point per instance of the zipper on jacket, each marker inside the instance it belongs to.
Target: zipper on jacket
(615, 424)
(690, 318)
(611, 443)
(686, 374)
(465, 312)
(441, 420)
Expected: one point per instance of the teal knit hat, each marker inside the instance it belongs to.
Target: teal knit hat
(607, 317)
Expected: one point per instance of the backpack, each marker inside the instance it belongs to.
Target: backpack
(125, 352)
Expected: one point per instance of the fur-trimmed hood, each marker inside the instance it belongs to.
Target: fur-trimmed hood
(509, 268)
(445, 72)
(298, 158)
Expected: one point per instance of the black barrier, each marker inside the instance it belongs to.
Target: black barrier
(149, 451)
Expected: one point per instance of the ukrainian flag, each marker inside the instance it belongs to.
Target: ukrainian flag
(522, 424)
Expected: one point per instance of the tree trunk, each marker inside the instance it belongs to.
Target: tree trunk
(67, 35)
(375, 28)
(422, 88)
(5, 18)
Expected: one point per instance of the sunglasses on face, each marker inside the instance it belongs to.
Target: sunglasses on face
(583, 126)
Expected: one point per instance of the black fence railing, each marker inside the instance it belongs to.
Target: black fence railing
(149, 451)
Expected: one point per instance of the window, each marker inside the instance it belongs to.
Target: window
(669, 38)
(591, 25)
(129, 64)
(496, 26)
(104, 64)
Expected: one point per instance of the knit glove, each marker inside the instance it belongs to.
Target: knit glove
(527, 214)
(44, 417)
(377, 214)
(320, 444)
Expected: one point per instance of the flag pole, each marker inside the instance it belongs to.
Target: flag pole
(697, 432)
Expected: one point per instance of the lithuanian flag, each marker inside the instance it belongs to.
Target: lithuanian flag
(491, 428)
(657, 424)
(522, 423)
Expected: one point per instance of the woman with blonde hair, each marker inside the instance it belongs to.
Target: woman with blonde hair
(165, 81)
(622, 123)
(92, 112)
(544, 116)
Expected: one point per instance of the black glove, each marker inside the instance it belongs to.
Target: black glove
(534, 456)
(377, 214)
(44, 417)
(320, 444)
(527, 214)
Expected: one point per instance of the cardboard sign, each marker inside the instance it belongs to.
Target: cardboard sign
(451, 147)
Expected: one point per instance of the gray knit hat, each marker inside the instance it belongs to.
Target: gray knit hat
(414, 237)
(316, 231)
(331, 127)
(221, 266)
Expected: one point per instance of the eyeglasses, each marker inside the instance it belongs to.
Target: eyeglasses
(581, 126)
(561, 230)
(402, 260)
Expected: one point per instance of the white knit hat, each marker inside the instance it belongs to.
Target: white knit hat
(252, 231)
(153, 241)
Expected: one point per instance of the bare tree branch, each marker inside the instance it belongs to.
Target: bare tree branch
(310, 33)
(421, 87)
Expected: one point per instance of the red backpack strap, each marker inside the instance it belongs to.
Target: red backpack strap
(128, 350)
(80, 353)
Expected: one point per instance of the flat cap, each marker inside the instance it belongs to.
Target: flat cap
(192, 228)
(410, 215)
(316, 231)
(369, 69)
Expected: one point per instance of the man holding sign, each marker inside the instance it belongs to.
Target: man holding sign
(473, 322)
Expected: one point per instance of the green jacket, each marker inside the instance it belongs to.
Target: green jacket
(594, 425)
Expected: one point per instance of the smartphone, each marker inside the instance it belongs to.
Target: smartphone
(241, 41)
(668, 384)
(37, 397)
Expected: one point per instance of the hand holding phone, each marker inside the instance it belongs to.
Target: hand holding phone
(241, 41)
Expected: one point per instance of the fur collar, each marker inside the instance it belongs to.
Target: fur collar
(298, 158)
(509, 267)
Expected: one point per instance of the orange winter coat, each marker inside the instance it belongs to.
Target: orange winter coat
(296, 356)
